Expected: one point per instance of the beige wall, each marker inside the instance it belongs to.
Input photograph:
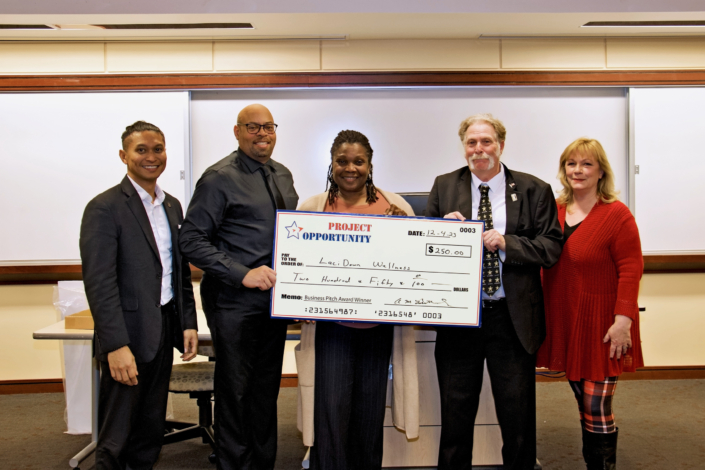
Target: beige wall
(23, 310)
(671, 326)
(410, 54)
(674, 321)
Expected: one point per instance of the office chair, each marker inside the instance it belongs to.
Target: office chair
(196, 379)
(417, 201)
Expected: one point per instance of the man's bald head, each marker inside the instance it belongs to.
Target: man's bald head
(243, 116)
(259, 145)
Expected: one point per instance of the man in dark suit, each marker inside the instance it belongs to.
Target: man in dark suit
(229, 232)
(140, 294)
(521, 235)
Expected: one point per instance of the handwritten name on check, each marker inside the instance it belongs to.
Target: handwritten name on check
(366, 268)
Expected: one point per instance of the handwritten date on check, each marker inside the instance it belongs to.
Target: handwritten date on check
(366, 268)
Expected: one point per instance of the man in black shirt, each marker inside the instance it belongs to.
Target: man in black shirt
(228, 233)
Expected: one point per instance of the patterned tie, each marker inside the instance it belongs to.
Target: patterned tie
(490, 265)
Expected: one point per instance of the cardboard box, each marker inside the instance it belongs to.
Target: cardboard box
(80, 321)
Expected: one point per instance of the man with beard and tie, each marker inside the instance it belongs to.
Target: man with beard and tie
(521, 236)
(228, 233)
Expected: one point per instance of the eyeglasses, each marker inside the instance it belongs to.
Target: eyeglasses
(253, 128)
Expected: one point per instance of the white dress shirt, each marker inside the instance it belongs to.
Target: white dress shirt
(162, 234)
(498, 201)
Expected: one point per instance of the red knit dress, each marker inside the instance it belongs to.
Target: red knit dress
(596, 278)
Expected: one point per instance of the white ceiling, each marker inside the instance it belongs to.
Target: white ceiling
(73, 7)
(359, 19)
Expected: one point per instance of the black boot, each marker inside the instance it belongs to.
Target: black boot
(600, 450)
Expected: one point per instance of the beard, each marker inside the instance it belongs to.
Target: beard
(484, 156)
(260, 153)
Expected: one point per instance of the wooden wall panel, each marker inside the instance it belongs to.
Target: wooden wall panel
(185, 81)
(653, 264)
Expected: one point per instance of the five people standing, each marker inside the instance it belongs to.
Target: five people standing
(135, 249)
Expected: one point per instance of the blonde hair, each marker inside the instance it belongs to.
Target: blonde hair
(590, 148)
(499, 129)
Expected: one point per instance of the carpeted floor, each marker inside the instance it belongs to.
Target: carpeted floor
(662, 426)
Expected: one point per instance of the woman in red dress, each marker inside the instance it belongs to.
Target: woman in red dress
(592, 316)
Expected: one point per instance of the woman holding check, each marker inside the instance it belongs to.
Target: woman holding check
(592, 316)
(349, 362)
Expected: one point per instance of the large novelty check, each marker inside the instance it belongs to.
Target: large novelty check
(378, 269)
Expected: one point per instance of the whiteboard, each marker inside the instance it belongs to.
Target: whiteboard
(413, 132)
(668, 131)
(59, 150)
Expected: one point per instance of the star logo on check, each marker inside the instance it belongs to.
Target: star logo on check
(294, 230)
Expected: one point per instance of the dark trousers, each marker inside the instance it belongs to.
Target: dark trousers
(131, 418)
(350, 395)
(460, 355)
(249, 349)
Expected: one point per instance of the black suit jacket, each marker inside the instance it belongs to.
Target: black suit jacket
(533, 238)
(122, 273)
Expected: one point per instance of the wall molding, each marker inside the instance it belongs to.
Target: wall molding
(193, 81)
(40, 274)
(644, 373)
(655, 264)
(50, 274)
(11, 387)
(16, 387)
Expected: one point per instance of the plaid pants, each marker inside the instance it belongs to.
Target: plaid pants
(595, 404)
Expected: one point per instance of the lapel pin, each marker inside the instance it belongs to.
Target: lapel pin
(512, 185)
(514, 197)
(168, 204)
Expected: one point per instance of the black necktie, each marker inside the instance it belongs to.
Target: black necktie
(490, 264)
(274, 194)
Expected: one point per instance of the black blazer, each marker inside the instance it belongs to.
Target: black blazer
(533, 237)
(122, 273)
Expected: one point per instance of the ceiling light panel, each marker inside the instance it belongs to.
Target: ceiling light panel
(645, 24)
(178, 26)
(10, 27)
